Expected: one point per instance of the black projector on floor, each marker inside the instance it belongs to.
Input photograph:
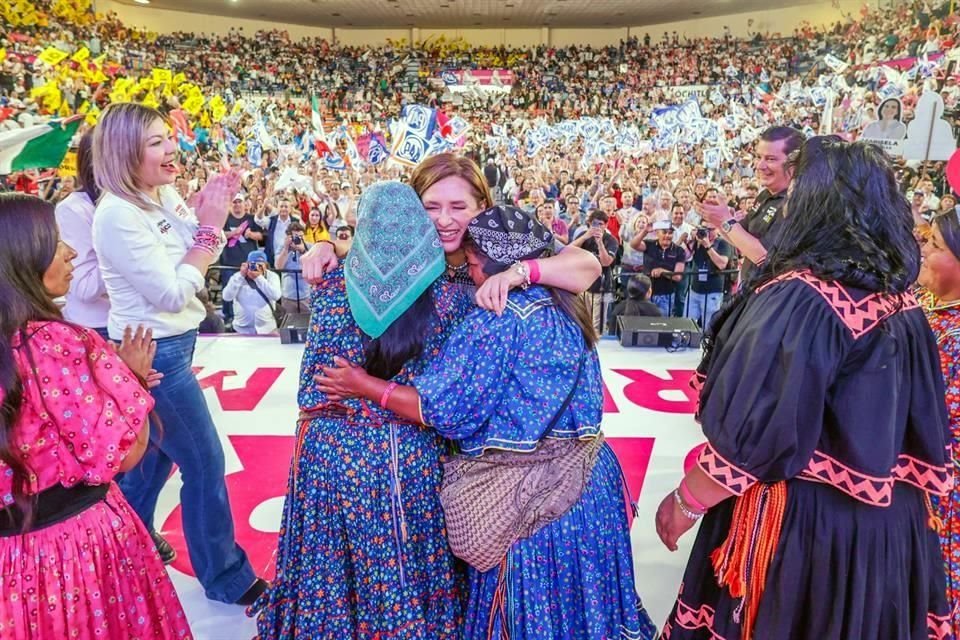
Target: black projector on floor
(672, 333)
(294, 327)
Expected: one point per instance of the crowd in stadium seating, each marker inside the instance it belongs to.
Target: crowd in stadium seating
(766, 80)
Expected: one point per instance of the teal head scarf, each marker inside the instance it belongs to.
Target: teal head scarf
(396, 256)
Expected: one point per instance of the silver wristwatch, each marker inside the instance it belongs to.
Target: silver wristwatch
(728, 225)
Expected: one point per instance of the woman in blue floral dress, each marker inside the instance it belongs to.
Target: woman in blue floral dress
(525, 382)
(363, 551)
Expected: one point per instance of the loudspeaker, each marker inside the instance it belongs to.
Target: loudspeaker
(293, 329)
(644, 331)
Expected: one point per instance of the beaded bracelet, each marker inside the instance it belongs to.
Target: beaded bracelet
(690, 515)
(209, 239)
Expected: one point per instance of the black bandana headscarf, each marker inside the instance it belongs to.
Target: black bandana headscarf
(506, 235)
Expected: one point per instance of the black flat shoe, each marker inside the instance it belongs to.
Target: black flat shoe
(167, 553)
(255, 591)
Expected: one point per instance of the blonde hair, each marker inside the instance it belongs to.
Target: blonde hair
(118, 142)
(449, 165)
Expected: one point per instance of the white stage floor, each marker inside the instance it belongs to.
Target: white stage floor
(251, 386)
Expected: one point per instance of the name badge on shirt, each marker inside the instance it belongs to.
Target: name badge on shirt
(770, 213)
(703, 274)
(164, 226)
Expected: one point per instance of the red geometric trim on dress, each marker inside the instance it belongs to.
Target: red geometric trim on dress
(923, 475)
(938, 627)
(727, 475)
(872, 490)
(686, 617)
(859, 317)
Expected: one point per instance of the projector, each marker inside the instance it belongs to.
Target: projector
(671, 333)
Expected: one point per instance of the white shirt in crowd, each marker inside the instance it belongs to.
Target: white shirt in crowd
(140, 254)
(252, 314)
(87, 302)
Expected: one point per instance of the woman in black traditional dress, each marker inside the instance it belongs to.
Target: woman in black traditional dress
(823, 407)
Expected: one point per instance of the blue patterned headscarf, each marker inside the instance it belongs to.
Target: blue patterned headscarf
(396, 256)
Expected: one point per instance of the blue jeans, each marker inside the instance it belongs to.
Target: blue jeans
(190, 440)
(702, 306)
(664, 302)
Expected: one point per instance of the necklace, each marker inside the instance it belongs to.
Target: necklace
(457, 270)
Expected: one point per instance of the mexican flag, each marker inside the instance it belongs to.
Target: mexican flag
(319, 135)
(40, 146)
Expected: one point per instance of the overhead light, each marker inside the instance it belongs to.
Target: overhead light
(142, 1)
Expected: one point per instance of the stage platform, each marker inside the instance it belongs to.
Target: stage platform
(251, 388)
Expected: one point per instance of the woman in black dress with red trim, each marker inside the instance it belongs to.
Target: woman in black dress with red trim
(824, 412)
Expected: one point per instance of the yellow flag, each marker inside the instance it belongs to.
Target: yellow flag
(205, 120)
(151, 101)
(162, 75)
(93, 116)
(64, 109)
(85, 107)
(193, 105)
(237, 107)
(52, 56)
(179, 79)
(41, 91)
(69, 165)
(219, 113)
(81, 55)
(3, 55)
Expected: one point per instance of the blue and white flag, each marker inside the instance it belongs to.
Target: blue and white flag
(334, 161)
(449, 78)
(254, 153)
(377, 152)
(409, 149)
(711, 158)
(419, 120)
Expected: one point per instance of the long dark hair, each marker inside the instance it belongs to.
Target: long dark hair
(846, 221)
(28, 244)
(403, 340)
(85, 175)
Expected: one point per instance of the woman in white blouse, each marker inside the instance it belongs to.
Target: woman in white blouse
(87, 302)
(154, 253)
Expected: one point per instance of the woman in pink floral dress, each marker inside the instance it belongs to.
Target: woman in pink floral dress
(75, 560)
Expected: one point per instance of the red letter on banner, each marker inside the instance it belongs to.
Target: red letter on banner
(245, 398)
(266, 465)
(646, 389)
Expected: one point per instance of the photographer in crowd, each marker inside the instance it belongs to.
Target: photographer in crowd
(595, 238)
(256, 290)
(296, 291)
(710, 258)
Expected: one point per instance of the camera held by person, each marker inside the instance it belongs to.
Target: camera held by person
(255, 289)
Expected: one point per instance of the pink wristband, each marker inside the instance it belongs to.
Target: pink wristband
(386, 394)
(687, 496)
(534, 270)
